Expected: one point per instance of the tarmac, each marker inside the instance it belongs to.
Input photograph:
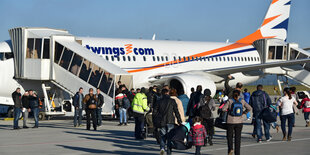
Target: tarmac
(60, 137)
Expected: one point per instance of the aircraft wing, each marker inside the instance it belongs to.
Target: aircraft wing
(255, 67)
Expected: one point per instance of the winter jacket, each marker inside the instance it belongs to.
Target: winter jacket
(258, 101)
(180, 108)
(247, 97)
(184, 99)
(119, 99)
(168, 109)
(192, 104)
(302, 105)
(76, 100)
(139, 104)
(211, 105)
(25, 102)
(236, 119)
(100, 99)
(198, 134)
(90, 99)
(33, 102)
(151, 99)
(17, 98)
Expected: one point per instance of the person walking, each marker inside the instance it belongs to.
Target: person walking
(139, 107)
(206, 107)
(286, 104)
(184, 99)
(229, 90)
(259, 101)
(26, 109)
(78, 107)
(90, 101)
(192, 106)
(173, 95)
(305, 104)
(99, 107)
(198, 134)
(235, 107)
(34, 104)
(119, 100)
(247, 96)
(165, 112)
(17, 99)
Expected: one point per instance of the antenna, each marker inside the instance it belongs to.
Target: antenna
(227, 41)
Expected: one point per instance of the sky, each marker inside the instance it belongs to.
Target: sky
(187, 20)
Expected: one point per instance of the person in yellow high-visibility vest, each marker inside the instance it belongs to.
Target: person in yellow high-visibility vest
(139, 107)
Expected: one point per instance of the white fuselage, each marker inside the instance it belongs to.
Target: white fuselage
(155, 57)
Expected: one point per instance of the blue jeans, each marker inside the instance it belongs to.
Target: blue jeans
(122, 115)
(36, 116)
(78, 116)
(17, 112)
(163, 133)
(290, 118)
(306, 115)
(258, 123)
(99, 117)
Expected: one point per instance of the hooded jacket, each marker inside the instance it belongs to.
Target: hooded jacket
(258, 101)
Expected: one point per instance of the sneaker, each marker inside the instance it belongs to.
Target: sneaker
(125, 124)
(17, 128)
(25, 127)
(162, 152)
(231, 152)
(284, 138)
(253, 135)
(35, 127)
(120, 124)
(269, 139)
(259, 141)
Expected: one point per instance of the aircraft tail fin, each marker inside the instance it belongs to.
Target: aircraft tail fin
(275, 24)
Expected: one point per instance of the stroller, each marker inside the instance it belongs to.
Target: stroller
(180, 138)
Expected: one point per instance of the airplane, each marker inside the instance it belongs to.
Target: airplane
(183, 64)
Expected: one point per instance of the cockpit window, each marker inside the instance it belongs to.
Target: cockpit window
(6, 56)
(1, 56)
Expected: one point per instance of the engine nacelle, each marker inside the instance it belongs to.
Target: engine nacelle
(187, 81)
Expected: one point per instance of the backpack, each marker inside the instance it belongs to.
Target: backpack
(126, 102)
(236, 108)
(204, 111)
(307, 104)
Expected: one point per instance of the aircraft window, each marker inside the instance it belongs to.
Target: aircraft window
(46, 49)
(204, 58)
(85, 70)
(1, 56)
(279, 52)
(144, 58)
(107, 58)
(118, 59)
(271, 52)
(112, 58)
(251, 58)
(30, 45)
(227, 58)
(158, 59)
(124, 58)
(162, 58)
(174, 58)
(238, 58)
(8, 55)
(220, 58)
(167, 58)
(95, 76)
(200, 58)
(66, 58)
(104, 86)
(212, 59)
(257, 58)
(76, 64)
(241, 58)
(231, 58)
(128, 58)
(134, 58)
(58, 51)
(180, 59)
(216, 59)
(154, 59)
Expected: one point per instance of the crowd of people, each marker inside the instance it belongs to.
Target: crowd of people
(163, 111)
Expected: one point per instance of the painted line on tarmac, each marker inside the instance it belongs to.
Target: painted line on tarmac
(248, 145)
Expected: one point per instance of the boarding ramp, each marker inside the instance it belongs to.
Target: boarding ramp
(276, 50)
(55, 59)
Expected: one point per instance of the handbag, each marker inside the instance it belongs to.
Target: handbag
(219, 123)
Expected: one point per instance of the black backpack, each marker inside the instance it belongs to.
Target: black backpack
(204, 111)
(126, 102)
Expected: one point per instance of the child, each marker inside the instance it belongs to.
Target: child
(305, 104)
(198, 134)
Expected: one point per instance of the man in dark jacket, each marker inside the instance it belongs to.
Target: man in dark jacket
(258, 101)
(34, 104)
(193, 103)
(167, 109)
(78, 107)
(99, 107)
(17, 98)
(26, 110)
(90, 101)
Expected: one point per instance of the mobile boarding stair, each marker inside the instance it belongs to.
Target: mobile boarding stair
(55, 64)
(275, 50)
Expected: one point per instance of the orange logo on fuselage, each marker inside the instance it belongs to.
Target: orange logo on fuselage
(128, 48)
